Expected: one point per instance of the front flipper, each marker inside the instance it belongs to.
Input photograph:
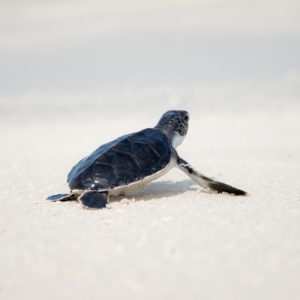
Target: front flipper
(206, 182)
(61, 197)
(94, 199)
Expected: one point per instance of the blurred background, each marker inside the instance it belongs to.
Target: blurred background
(76, 74)
(82, 58)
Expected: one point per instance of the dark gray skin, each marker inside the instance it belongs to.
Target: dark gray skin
(132, 160)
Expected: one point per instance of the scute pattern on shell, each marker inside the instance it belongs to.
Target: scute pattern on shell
(125, 160)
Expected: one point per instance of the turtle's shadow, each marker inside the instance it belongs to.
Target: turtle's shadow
(157, 190)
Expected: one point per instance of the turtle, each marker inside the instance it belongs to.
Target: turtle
(132, 161)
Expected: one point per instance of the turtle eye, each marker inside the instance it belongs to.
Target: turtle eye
(186, 118)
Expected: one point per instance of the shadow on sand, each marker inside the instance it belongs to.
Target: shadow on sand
(157, 190)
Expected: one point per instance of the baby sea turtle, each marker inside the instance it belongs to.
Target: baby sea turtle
(132, 161)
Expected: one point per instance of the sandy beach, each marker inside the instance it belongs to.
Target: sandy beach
(77, 74)
(169, 240)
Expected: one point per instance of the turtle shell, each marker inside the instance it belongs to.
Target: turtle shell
(125, 160)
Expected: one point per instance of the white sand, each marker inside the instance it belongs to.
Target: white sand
(73, 73)
(168, 241)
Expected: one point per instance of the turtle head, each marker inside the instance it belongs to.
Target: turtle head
(174, 123)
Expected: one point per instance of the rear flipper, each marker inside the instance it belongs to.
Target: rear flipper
(62, 197)
(93, 199)
(206, 182)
